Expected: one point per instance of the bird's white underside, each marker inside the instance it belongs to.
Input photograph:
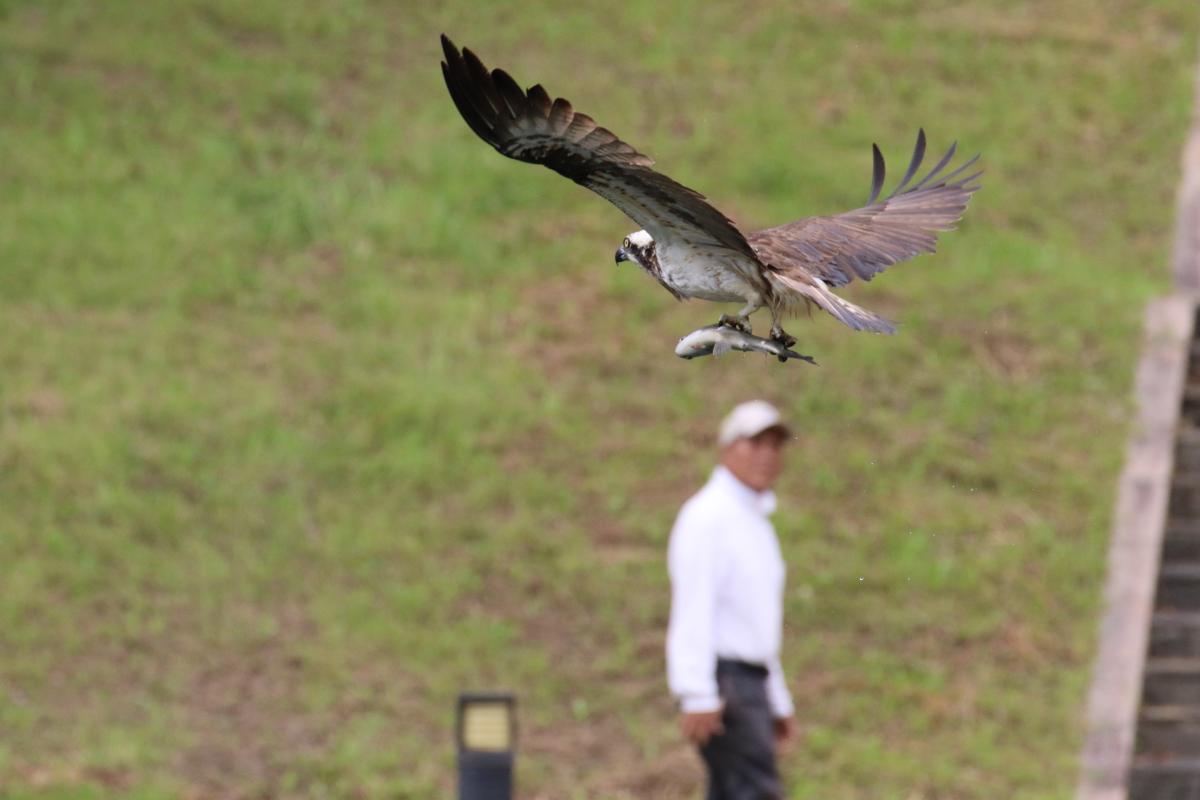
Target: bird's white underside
(693, 270)
(704, 273)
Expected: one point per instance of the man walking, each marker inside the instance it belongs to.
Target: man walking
(727, 578)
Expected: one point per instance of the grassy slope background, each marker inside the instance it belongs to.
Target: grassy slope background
(315, 411)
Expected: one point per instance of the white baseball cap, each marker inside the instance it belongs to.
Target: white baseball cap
(750, 419)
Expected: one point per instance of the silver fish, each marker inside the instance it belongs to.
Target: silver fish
(718, 340)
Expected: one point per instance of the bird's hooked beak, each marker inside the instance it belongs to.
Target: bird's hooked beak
(622, 255)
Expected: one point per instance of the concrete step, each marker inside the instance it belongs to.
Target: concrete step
(1184, 474)
(1173, 780)
(1178, 587)
(1167, 734)
(1187, 449)
(1191, 389)
(1185, 494)
(1173, 682)
(1181, 541)
(1162, 740)
(1189, 411)
(1175, 634)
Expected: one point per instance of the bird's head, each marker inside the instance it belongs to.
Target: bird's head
(638, 247)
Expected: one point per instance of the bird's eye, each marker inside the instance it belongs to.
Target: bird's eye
(626, 244)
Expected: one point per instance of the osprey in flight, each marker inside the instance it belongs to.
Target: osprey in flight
(691, 248)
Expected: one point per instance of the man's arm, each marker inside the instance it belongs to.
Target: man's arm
(691, 649)
(778, 695)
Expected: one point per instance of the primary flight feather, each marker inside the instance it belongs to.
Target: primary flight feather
(691, 248)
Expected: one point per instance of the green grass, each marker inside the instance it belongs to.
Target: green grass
(314, 411)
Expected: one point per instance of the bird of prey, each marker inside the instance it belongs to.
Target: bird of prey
(691, 248)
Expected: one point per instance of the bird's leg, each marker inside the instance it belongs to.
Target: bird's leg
(785, 340)
(737, 323)
(778, 334)
(742, 321)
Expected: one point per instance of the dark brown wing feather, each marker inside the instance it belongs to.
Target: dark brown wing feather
(865, 242)
(529, 126)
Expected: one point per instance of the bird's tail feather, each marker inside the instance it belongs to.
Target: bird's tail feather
(844, 311)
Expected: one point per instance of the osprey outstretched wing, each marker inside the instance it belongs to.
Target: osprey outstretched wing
(528, 126)
(864, 242)
(688, 246)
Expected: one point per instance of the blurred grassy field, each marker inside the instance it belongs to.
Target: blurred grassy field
(315, 411)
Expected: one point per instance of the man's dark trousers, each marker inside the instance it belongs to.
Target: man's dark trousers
(741, 761)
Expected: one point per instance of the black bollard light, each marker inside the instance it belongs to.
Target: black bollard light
(487, 740)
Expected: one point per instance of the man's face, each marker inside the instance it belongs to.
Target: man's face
(756, 461)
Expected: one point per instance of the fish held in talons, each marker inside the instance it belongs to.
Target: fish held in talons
(719, 339)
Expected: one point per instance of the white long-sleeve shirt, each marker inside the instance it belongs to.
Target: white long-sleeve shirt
(727, 578)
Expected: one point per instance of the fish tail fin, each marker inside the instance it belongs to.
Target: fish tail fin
(793, 354)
